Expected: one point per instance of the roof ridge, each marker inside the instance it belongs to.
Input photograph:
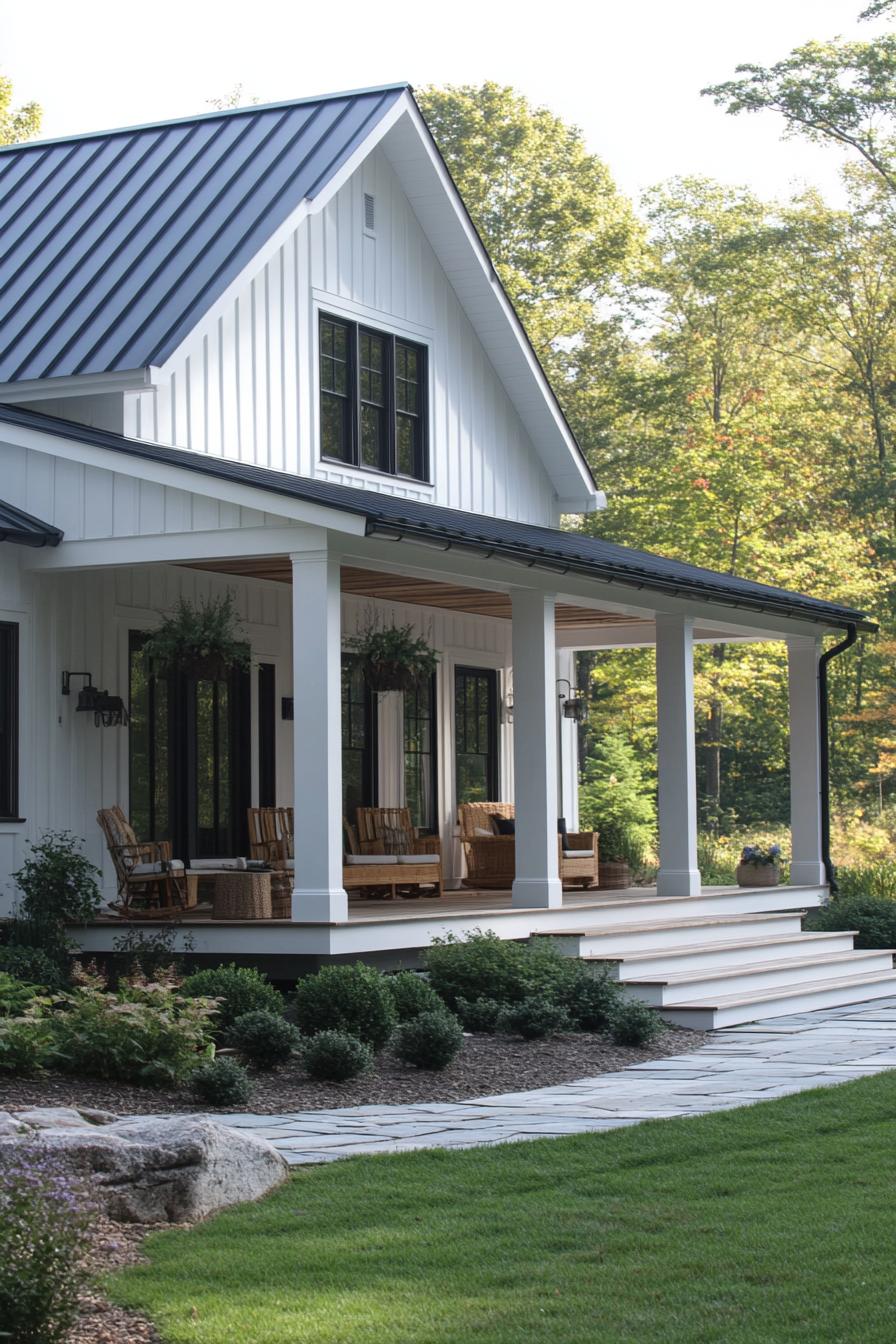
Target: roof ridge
(204, 116)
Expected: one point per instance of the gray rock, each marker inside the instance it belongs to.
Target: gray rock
(157, 1169)
(58, 1117)
(9, 1125)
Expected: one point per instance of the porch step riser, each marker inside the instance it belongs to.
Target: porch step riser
(803, 1000)
(596, 943)
(648, 967)
(658, 909)
(662, 996)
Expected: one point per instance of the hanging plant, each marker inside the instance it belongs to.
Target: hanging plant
(393, 658)
(202, 641)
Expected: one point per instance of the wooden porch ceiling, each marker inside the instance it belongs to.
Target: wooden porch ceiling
(417, 592)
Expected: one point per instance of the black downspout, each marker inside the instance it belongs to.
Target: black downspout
(825, 753)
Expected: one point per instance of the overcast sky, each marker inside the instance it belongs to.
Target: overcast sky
(628, 72)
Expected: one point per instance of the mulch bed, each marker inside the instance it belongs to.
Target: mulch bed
(486, 1065)
(99, 1320)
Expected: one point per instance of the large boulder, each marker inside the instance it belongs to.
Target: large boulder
(153, 1169)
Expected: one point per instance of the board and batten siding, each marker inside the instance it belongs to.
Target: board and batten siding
(244, 386)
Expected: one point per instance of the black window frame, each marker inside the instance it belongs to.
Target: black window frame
(10, 724)
(489, 677)
(428, 824)
(393, 411)
(367, 751)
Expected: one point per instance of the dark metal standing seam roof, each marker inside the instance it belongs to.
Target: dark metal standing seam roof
(112, 245)
(544, 547)
(20, 527)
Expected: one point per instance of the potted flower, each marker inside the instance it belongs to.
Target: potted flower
(393, 658)
(203, 641)
(620, 853)
(759, 867)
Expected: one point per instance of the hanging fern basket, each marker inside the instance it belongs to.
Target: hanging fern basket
(387, 675)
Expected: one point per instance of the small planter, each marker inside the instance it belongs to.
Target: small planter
(613, 876)
(758, 874)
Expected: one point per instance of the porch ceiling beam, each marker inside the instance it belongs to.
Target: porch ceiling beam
(173, 548)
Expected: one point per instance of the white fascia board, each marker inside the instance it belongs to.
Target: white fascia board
(74, 385)
(173, 548)
(310, 206)
(182, 478)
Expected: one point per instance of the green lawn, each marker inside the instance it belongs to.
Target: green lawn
(767, 1224)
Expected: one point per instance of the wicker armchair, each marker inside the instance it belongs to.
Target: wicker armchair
(389, 830)
(491, 858)
(371, 870)
(151, 884)
(271, 835)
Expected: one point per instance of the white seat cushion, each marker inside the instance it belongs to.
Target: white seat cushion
(219, 864)
(150, 869)
(418, 858)
(363, 860)
(481, 830)
(578, 854)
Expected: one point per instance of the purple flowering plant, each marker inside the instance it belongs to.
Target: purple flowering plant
(45, 1219)
(762, 857)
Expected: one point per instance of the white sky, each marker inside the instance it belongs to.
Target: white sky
(628, 74)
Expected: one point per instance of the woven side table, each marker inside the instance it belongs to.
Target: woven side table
(281, 893)
(242, 895)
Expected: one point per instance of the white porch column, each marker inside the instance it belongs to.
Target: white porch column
(676, 757)
(318, 894)
(806, 866)
(537, 880)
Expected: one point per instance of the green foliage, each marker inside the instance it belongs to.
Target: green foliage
(58, 886)
(482, 965)
(16, 995)
(412, 995)
(591, 1001)
(193, 633)
(221, 1082)
(633, 1023)
(26, 1044)
(238, 989)
(149, 951)
(353, 998)
(616, 800)
(263, 1038)
(479, 1015)
(429, 1041)
(534, 1018)
(877, 880)
(335, 1056)
(144, 1032)
(873, 917)
(33, 965)
(19, 123)
(394, 654)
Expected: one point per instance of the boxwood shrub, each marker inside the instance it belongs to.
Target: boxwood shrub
(352, 998)
(241, 989)
(429, 1041)
(534, 1018)
(412, 995)
(221, 1082)
(335, 1056)
(482, 965)
(873, 916)
(264, 1039)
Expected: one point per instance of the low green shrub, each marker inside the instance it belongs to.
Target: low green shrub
(26, 1045)
(479, 1015)
(591, 1001)
(16, 995)
(874, 918)
(45, 1218)
(633, 1023)
(334, 1056)
(353, 998)
(240, 989)
(33, 965)
(412, 995)
(221, 1082)
(58, 886)
(873, 879)
(144, 1032)
(482, 965)
(264, 1039)
(535, 1018)
(429, 1041)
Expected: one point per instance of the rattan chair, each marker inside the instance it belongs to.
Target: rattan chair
(491, 858)
(392, 828)
(271, 839)
(397, 874)
(151, 884)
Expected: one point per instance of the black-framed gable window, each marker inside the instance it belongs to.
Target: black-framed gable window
(372, 399)
(9, 720)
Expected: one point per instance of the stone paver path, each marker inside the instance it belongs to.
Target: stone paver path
(738, 1066)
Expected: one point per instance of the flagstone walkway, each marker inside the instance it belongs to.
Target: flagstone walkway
(738, 1066)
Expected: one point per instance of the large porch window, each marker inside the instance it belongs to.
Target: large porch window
(9, 720)
(420, 755)
(476, 734)
(359, 757)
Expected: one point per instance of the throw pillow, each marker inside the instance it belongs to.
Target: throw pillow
(397, 840)
(504, 825)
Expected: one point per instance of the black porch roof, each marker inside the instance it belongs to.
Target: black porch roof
(20, 527)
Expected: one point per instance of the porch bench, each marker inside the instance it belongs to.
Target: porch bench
(491, 858)
(374, 868)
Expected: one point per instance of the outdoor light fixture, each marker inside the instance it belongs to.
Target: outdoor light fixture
(108, 710)
(574, 706)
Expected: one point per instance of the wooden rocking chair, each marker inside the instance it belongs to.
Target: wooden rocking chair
(151, 884)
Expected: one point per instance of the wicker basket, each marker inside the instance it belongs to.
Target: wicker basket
(758, 875)
(242, 895)
(281, 894)
(613, 876)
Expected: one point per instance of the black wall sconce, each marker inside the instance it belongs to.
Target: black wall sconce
(574, 706)
(108, 710)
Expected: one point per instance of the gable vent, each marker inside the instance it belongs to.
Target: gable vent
(369, 211)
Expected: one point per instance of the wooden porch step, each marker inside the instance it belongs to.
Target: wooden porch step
(646, 935)
(722, 953)
(729, 1010)
(668, 988)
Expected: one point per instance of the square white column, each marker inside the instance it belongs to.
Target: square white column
(806, 865)
(676, 757)
(318, 894)
(537, 881)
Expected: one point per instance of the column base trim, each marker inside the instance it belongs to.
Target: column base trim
(537, 893)
(807, 873)
(678, 882)
(319, 905)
